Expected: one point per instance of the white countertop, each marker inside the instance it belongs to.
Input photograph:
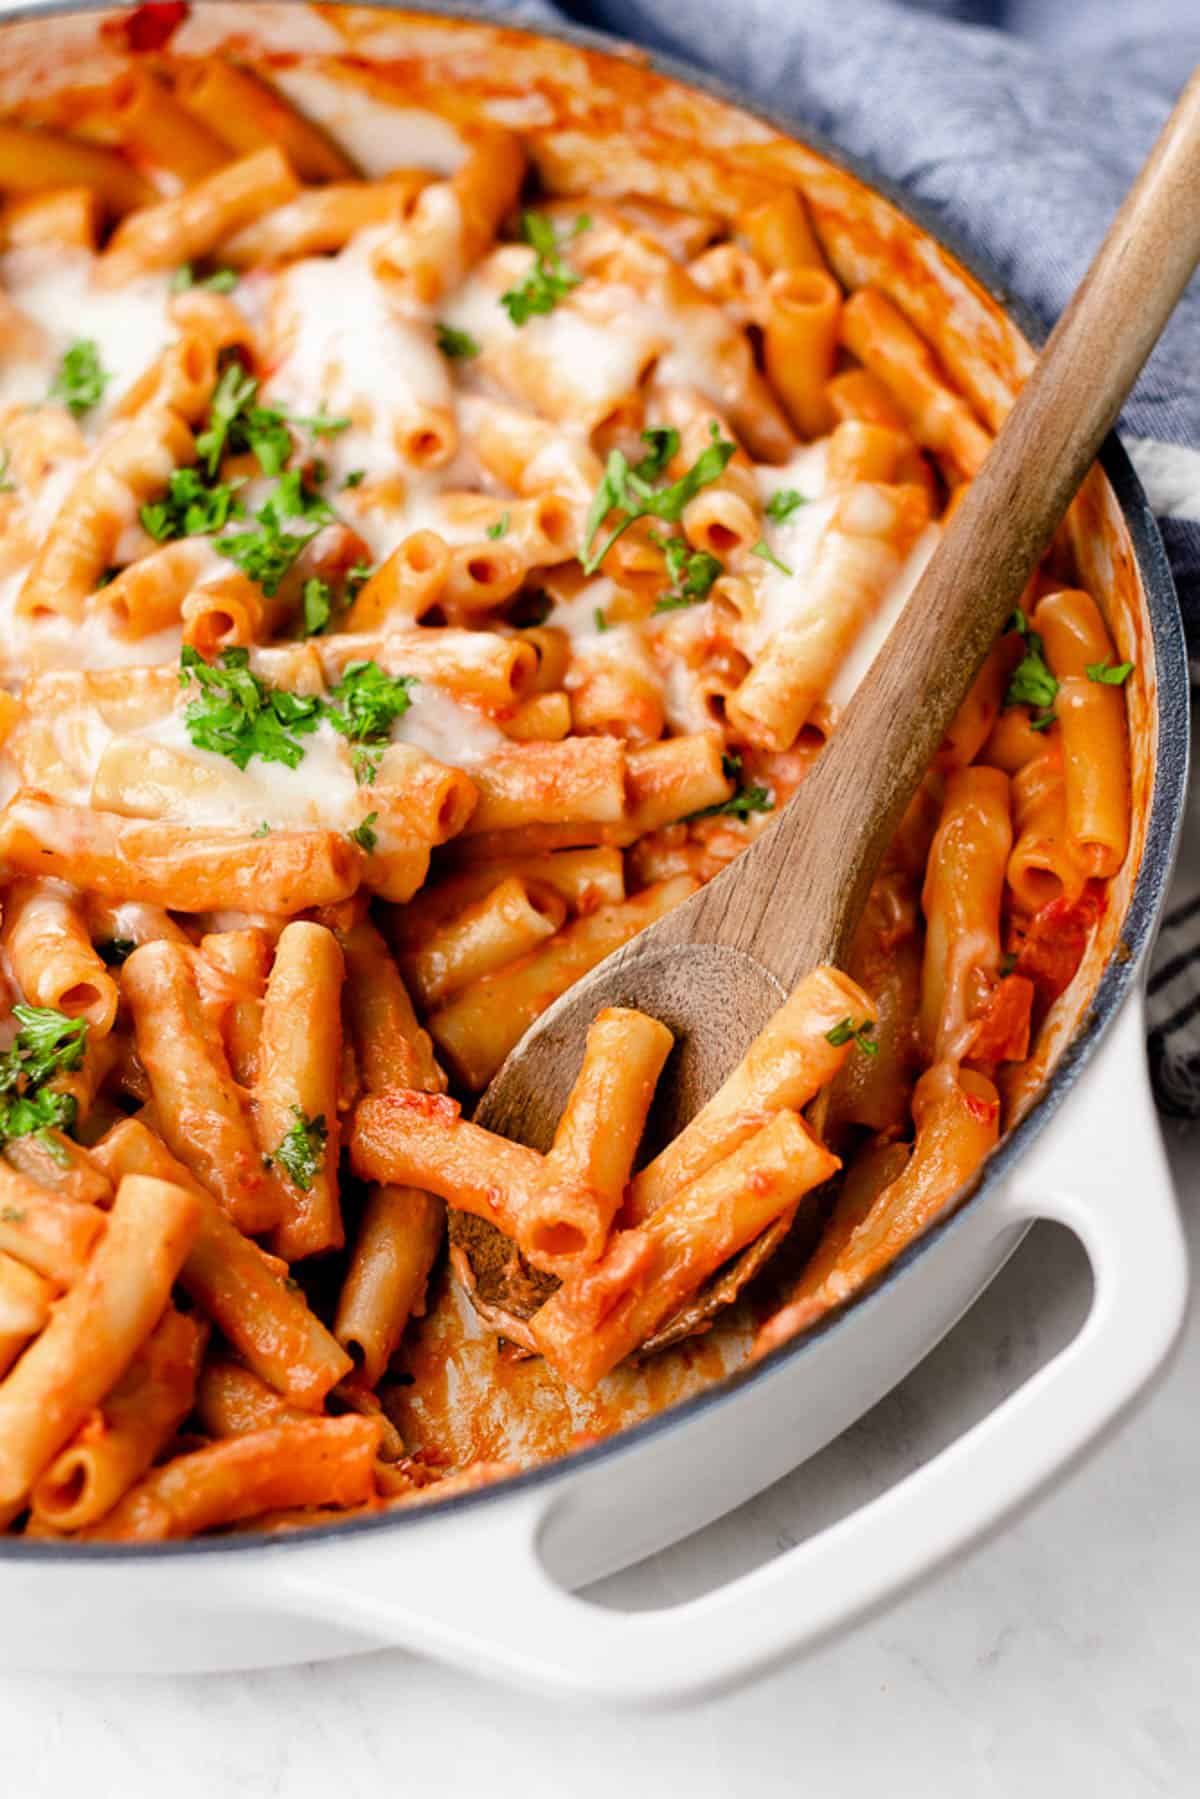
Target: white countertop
(1063, 1658)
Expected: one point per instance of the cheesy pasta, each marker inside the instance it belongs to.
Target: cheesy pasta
(414, 583)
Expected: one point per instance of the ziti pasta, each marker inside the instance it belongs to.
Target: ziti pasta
(414, 581)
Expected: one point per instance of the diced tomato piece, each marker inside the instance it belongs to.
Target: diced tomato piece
(152, 26)
(1002, 1029)
(1054, 942)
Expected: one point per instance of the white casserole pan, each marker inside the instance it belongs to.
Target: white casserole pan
(485, 1580)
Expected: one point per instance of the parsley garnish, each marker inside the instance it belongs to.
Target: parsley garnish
(692, 571)
(221, 281)
(80, 381)
(629, 492)
(267, 554)
(598, 619)
(190, 508)
(1032, 684)
(846, 1031)
(261, 830)
(301, 1149)
(355, 478)
(235, 423)
(7, 484)
(782, 503)
(318, 605)
(454, 343)
(763, 549)
(742, 803)
(356, 579)
(366, 702)
(549, 281)
(116, 950)
(363, 835)
(365, 766)
(1008, 962)
(1109, 674)
(48, 1043)
(499, 528)
(237, 715)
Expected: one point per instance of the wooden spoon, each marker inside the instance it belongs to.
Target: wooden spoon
(716, 968)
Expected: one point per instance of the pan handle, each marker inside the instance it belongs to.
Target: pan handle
(482, 1597)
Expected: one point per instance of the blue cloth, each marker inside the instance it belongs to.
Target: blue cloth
(1024, 139)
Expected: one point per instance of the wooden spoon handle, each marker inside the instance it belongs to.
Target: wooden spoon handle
(796, 893)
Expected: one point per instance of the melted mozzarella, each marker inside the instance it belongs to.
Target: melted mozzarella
(879, 627)
(54, 288)
(378, 136)
(446, 729)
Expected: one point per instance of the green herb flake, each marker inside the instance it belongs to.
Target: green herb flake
(7, 484)
(235, 714)
(1033, 683)
(763, 550)
(355, 478)
(365, 766)
(846, 1031)
(191, 508)
(366, 702)
(599, 620)
(499, 528)
(261, 830)
(47, 1044)
(549, 281)
(1109, 674)
(237, 423)
(267, 554)
(80, 381)
(221, 281)
(629, 491)
(693, 573)
(1008, 962)
(363, 835)
(458, 345)
(302, 1149)
(318, 605)
(782, 503)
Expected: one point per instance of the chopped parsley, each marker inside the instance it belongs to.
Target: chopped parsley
(116, 950)
(363, 835)
(357, 578)
(236, 714)
(267, 554)
(221, 281)
(846, 1031)
(455, 344)
(261, 830)
(80, 381)
(318, 605)
(1033, 683)
(499, 528)
(366, 702)
(599, 620)
(692, 571)
(190, 507)
(1109, 674)
(365, 766)
(7, 484)
(629, 491)
(237, 423)
(302, 1148)
(549, 281)
(763, 549)
(742, 803)
(355, 478)
(1007, 963)
(782, 503)
(47, 1043)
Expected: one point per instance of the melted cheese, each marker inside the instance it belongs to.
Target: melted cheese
(53, 287)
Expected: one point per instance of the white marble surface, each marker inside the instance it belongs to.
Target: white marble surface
(1062, 1658)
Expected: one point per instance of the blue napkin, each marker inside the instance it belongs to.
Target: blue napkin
(1022, 123)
